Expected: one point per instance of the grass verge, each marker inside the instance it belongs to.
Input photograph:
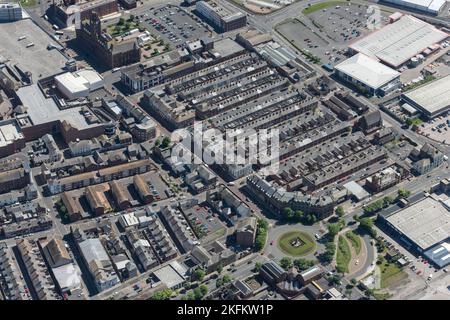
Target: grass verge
(343, 255)
(355, 241)
(307, 246)
(321, 5)
(391, 273)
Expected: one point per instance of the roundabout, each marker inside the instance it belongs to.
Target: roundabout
(296, 243)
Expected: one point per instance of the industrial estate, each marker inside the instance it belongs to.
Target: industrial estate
(224, 150)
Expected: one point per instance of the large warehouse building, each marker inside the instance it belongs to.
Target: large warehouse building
(396, 43)
(432, 99)
(368, 75)
(432, 7)
(421, 226)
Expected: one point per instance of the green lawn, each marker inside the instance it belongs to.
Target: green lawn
(390, 274)
(284, 243)
(28, 3)
(343, 255)
(355, 241)
(381, 295)
(321, 5)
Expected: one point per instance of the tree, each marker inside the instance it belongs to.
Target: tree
(366, 225)
(131, 18)
(162, 295)
(288, 214)
(204, 290)
(263, 224)
(369, 292)
(189, 296)
(219, 268)
(198, 295)
(298, 215)
(333, 229)
(224, 280)
(198, 275)
(286, 263)
(303, 264)
(409, 122)
(387, 201)
(165, 143)
(310, 219)
(334, 280)
(157, 142)
(258, 266)
(403, 193)
(340, 211)
(261, 234)
(328, 255)
(121, 22)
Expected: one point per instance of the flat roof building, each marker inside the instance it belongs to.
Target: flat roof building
(432, 99)
(44, 115)
(427, 6)
(398, 42)
(422, 225)
(173, 275)
(11, 137)
(219, 17)
(74, 85)
(36, 59)
(368, 75)
(98, 263)
(356, 190)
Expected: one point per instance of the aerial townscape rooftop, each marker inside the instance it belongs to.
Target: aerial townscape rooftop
(233, 150)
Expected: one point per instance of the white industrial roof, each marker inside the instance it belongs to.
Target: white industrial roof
(72, 83)
(67, 276)
(426, 222)
(94, 79)
(9, 132)
(128, 219)
(426, 5)
(92, 249)
(83, 80)
(432, 97)
(171, 275)
(367, 70)
(356, 190)
(398, 42)
(436, 5)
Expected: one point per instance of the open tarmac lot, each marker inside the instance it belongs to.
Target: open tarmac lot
(173, 24)
(343, 23)
(204, 222)
(327, 32)
(437, 129)
(30, 53)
